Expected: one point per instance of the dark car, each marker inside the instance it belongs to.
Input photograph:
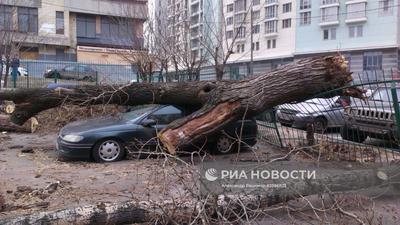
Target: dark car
(105, 139)
(73, 72)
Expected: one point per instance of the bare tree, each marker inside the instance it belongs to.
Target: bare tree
(221, 40)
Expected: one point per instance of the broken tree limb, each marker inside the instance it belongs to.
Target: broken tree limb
(29, 126)
(184, 210)
(7, 107)
(219, 102)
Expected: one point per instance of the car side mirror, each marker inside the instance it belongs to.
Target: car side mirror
(148, 122)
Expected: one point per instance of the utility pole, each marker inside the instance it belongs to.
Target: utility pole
(252, 45)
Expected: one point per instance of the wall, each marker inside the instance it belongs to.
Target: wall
(378, 31)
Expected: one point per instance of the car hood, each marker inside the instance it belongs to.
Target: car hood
(307, 108)
(373, 105)
(102, 124)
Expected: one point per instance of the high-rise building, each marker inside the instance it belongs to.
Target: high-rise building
(271, 23)
(365, 31)
(69, 30)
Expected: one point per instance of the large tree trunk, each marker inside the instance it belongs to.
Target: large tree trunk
(6, 125)
(221, 102)
(185, 210)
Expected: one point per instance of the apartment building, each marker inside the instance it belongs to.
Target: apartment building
(70, 30)
(272, 25)
(365, 31)
(192, 24)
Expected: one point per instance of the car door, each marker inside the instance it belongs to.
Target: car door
(68, 72)
(163, 116)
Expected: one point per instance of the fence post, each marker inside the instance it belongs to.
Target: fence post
(97, 78)
(396, 107)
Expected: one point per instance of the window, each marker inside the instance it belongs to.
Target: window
(356, 11)
(271, 27)
(241, 32)
(271, 12)
(256, 29)
(256, 15)
(27, 20)
(305, 18)
(328, 2)
(256, 2)
(286, 23)
(229, 34)
(385, 7)
(5, 17)
(329, 14)
(229, 8)
(255, 46)
(166, 115)
(305, 4)
(271, 43)
(355, 31)
(86, 26)
(287, 7)
(240, 18)
(372, 61)
(229, 20)
(240, 5)
(329, 34)
(59, 22)
(240, 48)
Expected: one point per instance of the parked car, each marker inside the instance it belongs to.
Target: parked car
(104, 139)
(73, 72)
(22, 72)
(323, 113)
(53, 86)
(374, 118)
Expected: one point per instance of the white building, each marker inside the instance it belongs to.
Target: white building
(273, 33)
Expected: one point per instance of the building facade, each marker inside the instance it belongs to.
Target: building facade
(69, 30)
(365, 31)
(272, 25)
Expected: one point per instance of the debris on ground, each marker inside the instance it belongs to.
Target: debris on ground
(2, 202)
(56, 118)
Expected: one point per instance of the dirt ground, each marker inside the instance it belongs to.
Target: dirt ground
(32, 178)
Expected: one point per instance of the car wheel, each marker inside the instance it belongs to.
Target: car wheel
(108, 150)
(225, 145)
(320, 125)
(352, 134)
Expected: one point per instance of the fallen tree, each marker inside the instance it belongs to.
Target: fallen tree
(186, 211)
(218, 103)
(29, 126)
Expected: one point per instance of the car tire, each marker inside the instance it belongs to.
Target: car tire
(352, 134)
(225, 145)
(320, 125)
(108, 150)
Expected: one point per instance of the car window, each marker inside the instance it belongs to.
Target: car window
(384, 95)
(70, 68)
(166, 115)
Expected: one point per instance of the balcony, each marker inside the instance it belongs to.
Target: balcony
(271, 2)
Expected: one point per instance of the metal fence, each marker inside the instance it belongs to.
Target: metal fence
(33, 74)
(338, 127)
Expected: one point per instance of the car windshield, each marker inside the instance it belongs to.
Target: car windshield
(384, 95)
(136, 114)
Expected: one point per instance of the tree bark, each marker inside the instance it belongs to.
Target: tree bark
(7, 125)
(141, 212)
(221, 102)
